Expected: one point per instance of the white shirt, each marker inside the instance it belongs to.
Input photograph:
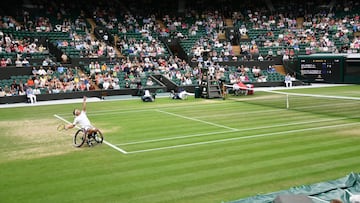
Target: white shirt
(236, 86)
(147, 93)
(288, 78)
(82, 120)
(182, 94)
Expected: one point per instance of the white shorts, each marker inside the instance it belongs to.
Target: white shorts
(89, 128)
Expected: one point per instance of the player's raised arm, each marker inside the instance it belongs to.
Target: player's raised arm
(84, 104)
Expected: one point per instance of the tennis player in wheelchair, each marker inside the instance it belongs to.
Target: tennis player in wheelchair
(82, 120)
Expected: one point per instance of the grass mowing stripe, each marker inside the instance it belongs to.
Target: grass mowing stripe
(237, 138)
(255, 153)
(181, 177)
(194, 184)
(249, 151)
(255, 158)
(227, 168)
(305, 177)
(239, 130)
(276, 174)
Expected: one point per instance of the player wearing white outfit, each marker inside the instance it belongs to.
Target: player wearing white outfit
(184, 94)
(181, 95)
(82, 119)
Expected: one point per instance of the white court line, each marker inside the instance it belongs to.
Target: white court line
(107, 143)
(178, 137)
(239, 138)
(238, 130)
(194, 119)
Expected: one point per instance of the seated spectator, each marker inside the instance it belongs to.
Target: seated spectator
(34, 71)
(7, 91)
(149, 82)
(60, 69)
(2, 92)
(41, 71)
(21, 90)
(271, 69)
(256, 71)
(3, 62)
(64, 58)
(269, 55)
(30, 82)
(288, 80)
(9, 61)
(262, 78)
(18, 62)
(47, 62)
(31, 95)
(25, 63)
(49, 71)
(115, 85)
(106, 84)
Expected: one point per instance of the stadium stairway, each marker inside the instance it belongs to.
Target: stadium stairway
(236, 50)
(116, 38)
(280, 69)
(93, 25)
(118, 52)
(161, 23)
(229, 22)
(222, 36)
(299, 22)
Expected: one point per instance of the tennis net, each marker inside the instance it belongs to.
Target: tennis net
(342, 106)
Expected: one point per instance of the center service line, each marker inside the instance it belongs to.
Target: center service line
(194, 119)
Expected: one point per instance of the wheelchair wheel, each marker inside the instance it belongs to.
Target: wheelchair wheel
(79, 138)
(98, 136)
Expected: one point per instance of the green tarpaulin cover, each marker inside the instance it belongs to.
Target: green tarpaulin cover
(341, 189)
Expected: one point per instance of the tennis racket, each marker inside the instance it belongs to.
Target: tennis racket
(61, 127)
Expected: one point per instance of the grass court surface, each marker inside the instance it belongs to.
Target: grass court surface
(194, 150)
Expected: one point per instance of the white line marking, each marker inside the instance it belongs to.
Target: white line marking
(238, 130)
(314, 95)
(107, 143)
(174, 138)
(194, 119)
(239, 138)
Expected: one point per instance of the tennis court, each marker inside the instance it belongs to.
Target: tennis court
(195, 150)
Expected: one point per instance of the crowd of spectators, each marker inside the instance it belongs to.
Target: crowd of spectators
(260, 33)
(51, 79)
